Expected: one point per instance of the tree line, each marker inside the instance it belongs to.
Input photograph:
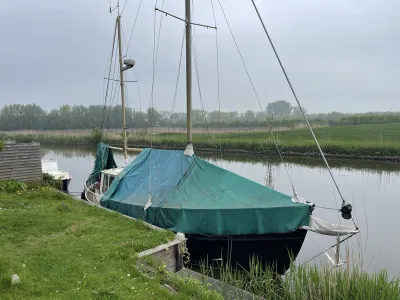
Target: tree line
(279, 113)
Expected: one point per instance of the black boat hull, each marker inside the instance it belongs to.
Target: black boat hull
(273, 250)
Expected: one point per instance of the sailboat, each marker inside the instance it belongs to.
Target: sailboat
(222, 215)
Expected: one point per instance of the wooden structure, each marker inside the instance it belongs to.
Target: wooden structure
(20, 161)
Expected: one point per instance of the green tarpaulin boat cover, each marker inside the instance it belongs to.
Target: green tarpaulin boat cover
(191, 195)
(104, 160)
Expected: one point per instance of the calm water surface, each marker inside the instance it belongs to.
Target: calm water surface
(373, 188)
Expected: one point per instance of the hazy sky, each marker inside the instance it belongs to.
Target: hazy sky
(340, 55)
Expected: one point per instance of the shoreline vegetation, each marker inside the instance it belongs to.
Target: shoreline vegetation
(364, 142)
(309, 281)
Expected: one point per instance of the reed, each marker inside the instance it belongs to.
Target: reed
(308, 282)
(353, 141)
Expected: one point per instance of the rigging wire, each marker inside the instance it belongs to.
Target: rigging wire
(123, 38)
(109, 73)
(197, 73)
(298, 102)
(138, 92)
(256, 95)
(126, 54)
(322, 252)
(112, 94)
(127, 107)
(177, 78)
(218, 81)
(126, 1)
(155, 57)
(309, 126)
(114, 90)
(133, 27)
(155, 54)
(126, 86)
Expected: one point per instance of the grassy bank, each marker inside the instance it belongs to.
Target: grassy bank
(63, 249)
(372, 141)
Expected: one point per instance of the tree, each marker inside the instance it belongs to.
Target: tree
(139, 118)
(297, 112)
(279, 108)
(249, 116)
(198, 116)
(260, 116)
(178, 118)
(153, 116)
(213, 116)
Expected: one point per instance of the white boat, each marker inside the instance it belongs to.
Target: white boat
(92, 192)
(50, 167)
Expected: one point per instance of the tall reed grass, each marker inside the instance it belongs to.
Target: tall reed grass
(306, 282)
(355, 141)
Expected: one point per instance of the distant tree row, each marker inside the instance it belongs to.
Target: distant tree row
(279, 113)
(369, 118)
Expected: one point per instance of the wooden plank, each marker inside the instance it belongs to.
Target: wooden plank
(20, 161)
(19, 164)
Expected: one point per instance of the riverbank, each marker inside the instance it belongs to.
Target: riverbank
(365, 142)
(61, 248)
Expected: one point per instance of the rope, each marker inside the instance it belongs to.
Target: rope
(123, 37)
(126, 1)
(155, 54)
(298, 102)
(330, 208)
(134, 70)
(258, 99)
(109, 74)
(177, 79)
(127, 75)
(197, 73)
(127, 106)
(240, 54)
(133, 27)
(127, 50)
(138, 91)
(314, 257)
(114, 89)
(218, 81)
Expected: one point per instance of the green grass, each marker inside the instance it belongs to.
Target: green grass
(63, 249)
(374, 140)
(352, 141)
(310, 282)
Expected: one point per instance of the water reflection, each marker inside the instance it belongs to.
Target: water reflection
(372, 187)
(269, 177)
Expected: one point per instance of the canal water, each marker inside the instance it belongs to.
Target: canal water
(373, 188)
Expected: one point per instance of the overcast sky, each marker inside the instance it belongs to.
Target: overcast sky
(340, 55)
